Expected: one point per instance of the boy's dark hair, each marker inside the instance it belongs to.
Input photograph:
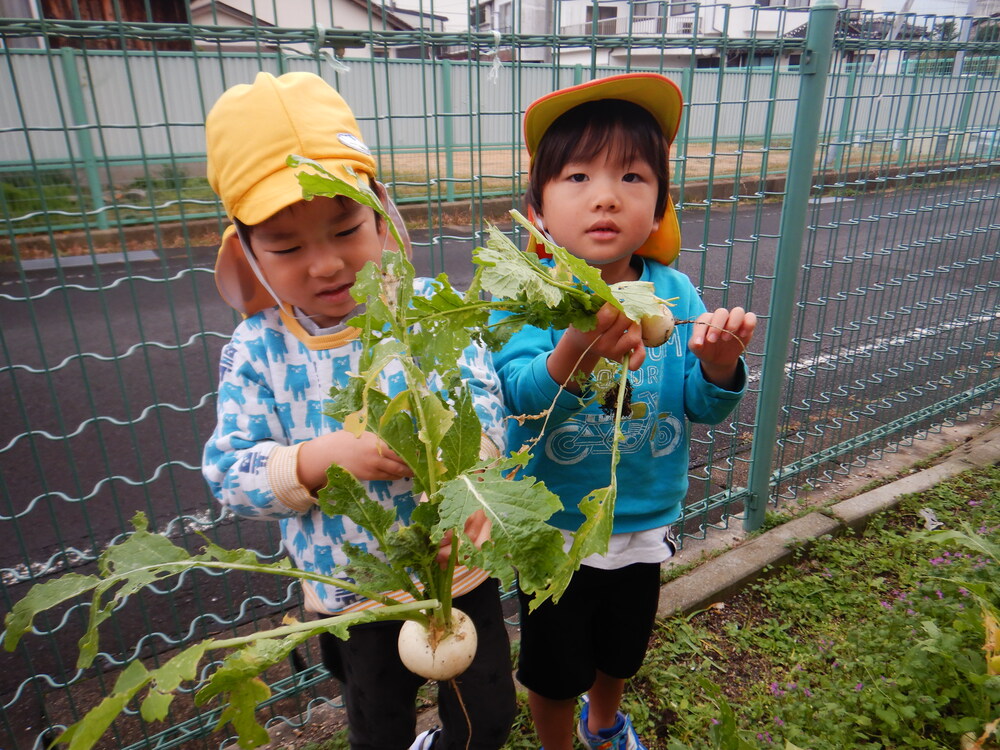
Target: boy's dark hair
(628, 130)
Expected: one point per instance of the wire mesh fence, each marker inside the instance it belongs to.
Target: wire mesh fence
(881, 324)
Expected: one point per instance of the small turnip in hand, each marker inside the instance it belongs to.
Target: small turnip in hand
(656, 329)
(437, 655)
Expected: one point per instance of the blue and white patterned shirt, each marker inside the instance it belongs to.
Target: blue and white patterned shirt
(274, 385)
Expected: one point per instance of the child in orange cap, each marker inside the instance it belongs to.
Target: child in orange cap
(598, 187)
(288, 265)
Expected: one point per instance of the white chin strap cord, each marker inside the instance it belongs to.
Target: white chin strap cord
(241, 232)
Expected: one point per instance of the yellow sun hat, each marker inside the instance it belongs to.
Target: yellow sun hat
(250, 132)
(655, 93)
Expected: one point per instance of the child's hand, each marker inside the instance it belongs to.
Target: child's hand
(477, 528)
(613, 337)
(366, 457)
(719, 339)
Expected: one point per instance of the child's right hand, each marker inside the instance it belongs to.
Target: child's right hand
(366, 457)
(613, 337)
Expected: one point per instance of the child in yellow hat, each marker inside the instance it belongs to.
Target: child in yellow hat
(288, 266)
(598, 186)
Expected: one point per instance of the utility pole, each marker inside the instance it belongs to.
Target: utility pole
(963, 36)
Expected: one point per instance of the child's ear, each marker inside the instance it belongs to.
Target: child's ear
(397, 220)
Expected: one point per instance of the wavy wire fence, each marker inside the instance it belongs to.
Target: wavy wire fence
(850, 203)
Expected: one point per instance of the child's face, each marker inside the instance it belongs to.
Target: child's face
(311, 252)
(602, 210)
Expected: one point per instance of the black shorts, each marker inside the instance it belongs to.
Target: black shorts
(380, 693)
(602, 622)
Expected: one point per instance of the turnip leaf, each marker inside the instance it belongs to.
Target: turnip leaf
(86, 732)
(460, 444)
(344, 495)
(41, 597)
(326, 184)
(519, 537)
(374, 574)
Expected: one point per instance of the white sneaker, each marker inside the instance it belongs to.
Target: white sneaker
(425, 740)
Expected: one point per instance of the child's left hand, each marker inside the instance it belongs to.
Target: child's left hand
(718, 340)
(477, 529)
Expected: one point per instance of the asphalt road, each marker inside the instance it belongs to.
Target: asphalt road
(113, 426)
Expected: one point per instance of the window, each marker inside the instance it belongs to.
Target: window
(505, 21)
(604, 13)
(479, 15)
(605, 19)
(682, 9)
(649, 10)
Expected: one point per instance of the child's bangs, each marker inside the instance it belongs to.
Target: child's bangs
(618, 142)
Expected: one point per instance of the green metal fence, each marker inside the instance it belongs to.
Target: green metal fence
(839, 177)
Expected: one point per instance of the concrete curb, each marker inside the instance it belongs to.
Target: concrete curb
(730, 572)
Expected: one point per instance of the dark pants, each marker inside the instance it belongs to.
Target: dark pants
(602, 623)
(380, 693)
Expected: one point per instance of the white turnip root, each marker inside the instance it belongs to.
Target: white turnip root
(436, 655)
(656, 329)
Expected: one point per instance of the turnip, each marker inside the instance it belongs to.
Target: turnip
(436, 653)
(657, 329)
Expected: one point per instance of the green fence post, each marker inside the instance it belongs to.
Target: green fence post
(681, 144)
(595, 29)
(449, 135)
(963, 118)
(904, 134)
(805, 136)
(78, 110)
(837, 152)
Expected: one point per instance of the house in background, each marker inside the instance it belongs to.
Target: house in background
(680, 19)
(162, 11)
(348, 15)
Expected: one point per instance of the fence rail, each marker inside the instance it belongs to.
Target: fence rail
(843, 182)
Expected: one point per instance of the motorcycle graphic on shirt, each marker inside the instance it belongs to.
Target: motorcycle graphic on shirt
(592, 434)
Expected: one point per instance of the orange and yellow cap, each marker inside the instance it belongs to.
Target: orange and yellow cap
(653, 92)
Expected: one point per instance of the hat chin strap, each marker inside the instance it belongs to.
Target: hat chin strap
(252, 262)
(540, 225)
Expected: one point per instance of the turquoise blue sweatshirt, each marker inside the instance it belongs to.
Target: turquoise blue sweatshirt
(574, 455)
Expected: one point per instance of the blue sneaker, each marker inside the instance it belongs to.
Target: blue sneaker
(622, 734)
